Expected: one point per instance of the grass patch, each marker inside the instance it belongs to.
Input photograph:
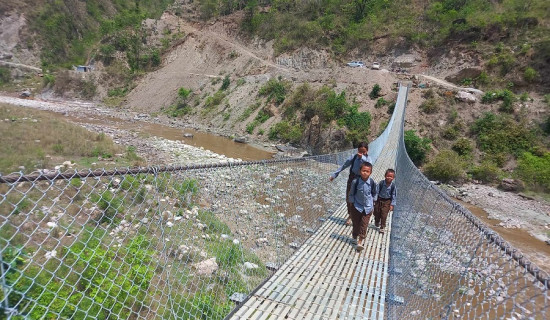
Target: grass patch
(38, 139)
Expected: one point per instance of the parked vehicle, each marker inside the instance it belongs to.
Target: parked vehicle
(376, 65)
(355, 64)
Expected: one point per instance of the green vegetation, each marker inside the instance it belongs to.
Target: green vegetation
(101, 275)
(446, 166)
(501, 134)
(5, 75)
(69, 30)
(534, 170)
(430, 106)
(375, 92)
(417, 148)
(225, 83)
(275, 90)
(380, 103)
(486, 172)
(325, 105)
(463, 147)
(286, 132)
(530, 74)
(36, 139)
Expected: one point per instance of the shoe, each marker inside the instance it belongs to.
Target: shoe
(377, 225)
(348, 222)
(382, 231)
(359, 247)
(354, 241)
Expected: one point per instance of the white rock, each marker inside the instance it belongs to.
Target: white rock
(206, 267)
(466, 97)
(250, 265)
(50, 254)
(169, 224)
(51, 224)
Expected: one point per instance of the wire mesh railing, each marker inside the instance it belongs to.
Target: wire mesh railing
(155, 243)
(446, 264)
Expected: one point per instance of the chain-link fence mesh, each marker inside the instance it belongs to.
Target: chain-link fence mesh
(446, 264)
(155, 243)
(191, 242)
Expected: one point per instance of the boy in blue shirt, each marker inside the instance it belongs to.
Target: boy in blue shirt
(354, 162)
(385, 200)
(361, 196)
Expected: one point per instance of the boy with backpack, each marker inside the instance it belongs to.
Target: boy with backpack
(385, 200)
(361, 195)
(354, 162)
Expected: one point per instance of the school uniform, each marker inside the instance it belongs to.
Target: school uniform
(362, 195)
(386, 196)
(355, 163)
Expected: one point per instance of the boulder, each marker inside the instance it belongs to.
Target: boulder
(511, 185)
(240, 139)
(465, 97)
(206, 267)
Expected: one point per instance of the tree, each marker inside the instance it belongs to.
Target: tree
(417, 148)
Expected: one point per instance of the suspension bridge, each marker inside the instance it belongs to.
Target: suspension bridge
(252, 240)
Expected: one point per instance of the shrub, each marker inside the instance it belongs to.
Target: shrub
(486, 172)
(262, 116)
(225, 83)
(463, 147)
(275, 90)
(248, 111)
(285, 132)
(251, 126)
(375, 92)
(446, 166)
(501, 133)
(430, 106)
(450, 133)
(380, 103)
(5, 75)
(546, 126)
(391, 107)
(453, 115)
(530, 74)
(534, 170)
(213, 101)
(417, 148)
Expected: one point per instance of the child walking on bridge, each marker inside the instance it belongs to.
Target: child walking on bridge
(354, 162)
(385, 201)
(362, 194)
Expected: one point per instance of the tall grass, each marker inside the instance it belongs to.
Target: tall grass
(38, 139)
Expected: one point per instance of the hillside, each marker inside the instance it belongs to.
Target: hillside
(213, 71)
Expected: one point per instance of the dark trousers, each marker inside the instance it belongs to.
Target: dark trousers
(381, 210)
(360, 223)
(348, 186)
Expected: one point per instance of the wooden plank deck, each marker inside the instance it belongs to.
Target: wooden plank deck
(327, 278)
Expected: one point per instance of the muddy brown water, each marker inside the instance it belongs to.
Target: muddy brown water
(212, 142)
(536, 250)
